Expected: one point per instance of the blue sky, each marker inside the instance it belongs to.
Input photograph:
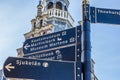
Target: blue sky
(15, 16)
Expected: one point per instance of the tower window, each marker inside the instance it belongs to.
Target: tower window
(50, 5)
(44, 33)
(34, 25)
(65, 8)
(41, 22)
(59, 5)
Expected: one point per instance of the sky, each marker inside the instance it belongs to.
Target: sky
(15, 17)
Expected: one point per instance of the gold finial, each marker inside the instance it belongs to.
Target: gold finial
(86, 2)
(40, 7)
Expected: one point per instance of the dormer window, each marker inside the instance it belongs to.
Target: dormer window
(34, 25)
(65, 8)
(44, 33)
(50, 5)
(59, 5)
(41, 23)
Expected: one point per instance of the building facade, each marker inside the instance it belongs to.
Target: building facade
(52, 16)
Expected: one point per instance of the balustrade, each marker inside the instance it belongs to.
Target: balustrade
(60, 14)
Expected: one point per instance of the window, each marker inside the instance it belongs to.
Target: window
(44, 33)
(41, 22)
(50, 5)
(60, 22)
(34, 25)
(65, 8)
(59, 5)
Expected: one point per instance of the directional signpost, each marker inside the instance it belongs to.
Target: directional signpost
(104, 15)
(60, 51)
(94, 15)
(50, 41)
(61, 45)
(39, 69)
(67, 53)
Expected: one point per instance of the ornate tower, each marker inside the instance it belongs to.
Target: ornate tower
(52, 16)
(58, 14)
(39, 23)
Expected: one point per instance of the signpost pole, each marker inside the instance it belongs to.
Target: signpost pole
(86, 41)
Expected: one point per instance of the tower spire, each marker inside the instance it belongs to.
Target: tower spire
(39, 12)
(86, 1)
(44, 4)
(40, 2)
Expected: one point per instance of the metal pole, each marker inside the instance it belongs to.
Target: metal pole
(87, 66)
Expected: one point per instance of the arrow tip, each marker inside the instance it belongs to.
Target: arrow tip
(9, 67)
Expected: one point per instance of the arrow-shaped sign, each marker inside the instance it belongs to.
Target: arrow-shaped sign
(9, 67)
(104, 15)
(50, 41)
(39, 69)
(26, 46)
